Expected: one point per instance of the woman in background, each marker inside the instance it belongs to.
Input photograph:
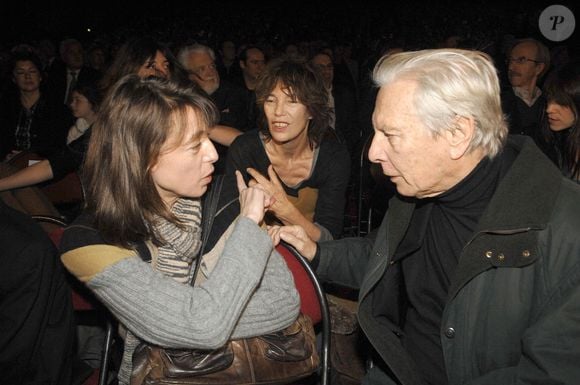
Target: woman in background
(294, 155)
(146, 57)
(561, 131)
(84, 105)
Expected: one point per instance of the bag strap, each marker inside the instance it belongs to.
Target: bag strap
(209, 208)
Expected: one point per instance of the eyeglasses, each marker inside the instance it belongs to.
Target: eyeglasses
(521, 60)
(329, 66)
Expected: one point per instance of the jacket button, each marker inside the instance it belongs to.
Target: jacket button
(501, 257)
(489, 254)
(449, 332)
(526, 253)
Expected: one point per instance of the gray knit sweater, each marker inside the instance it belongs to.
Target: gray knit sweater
(250, 292)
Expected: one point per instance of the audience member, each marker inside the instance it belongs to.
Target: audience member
(142, 56)
(523, 102)
(252, 63)
(29, 120)
(342, 103)
(36, 314)
(144, 184)
(97, 57)
(146, 57)
(345, 69)
(227, 62)
(561, 130)
(294, 155)
(474, 274)
(70, 70)
(84, 106)
(199, 61)
(85, 103)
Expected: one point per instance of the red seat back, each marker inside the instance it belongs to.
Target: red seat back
(309, 303)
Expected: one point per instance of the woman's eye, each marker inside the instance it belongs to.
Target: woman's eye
(195, 147)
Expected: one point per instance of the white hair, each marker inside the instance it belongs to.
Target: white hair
(193, 48)
(451, 83)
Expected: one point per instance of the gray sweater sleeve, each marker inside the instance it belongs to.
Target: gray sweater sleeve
(249, 292)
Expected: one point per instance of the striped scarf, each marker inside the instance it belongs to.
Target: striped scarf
(174, 259)
(181, 245)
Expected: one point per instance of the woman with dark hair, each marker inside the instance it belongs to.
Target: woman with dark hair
(142, 56)
(146, 57)
(148, 164)
(84, 105)
(29, 121)
(85, 101)
(561, 131)
(307, 168)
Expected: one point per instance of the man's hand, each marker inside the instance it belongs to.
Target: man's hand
(295, 236)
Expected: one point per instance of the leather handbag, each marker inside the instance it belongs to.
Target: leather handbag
(276, 358)
(273, 359)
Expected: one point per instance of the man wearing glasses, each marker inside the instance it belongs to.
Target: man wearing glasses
(523, 102)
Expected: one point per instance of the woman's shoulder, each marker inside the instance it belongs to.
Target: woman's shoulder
(81, 232)
(249, 138)
(331, 146)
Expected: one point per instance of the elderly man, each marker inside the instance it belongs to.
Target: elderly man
(71, 70)
(199, 62)
(474, 277)
(523, 102)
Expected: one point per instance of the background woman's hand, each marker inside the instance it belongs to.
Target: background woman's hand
(274, 187)
(254, 201)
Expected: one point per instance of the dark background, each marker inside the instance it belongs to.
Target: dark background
(22, 21)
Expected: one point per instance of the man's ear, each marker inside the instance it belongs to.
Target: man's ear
(459, 138)
(540, 68)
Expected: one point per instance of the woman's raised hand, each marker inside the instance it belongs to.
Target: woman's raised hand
(254, 200)
(274, 187)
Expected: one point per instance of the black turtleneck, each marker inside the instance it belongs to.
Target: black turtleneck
(429, 253)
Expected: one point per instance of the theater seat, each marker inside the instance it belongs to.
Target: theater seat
(312, 302)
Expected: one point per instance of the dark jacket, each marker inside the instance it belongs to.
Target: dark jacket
(345, 107)
(57, 79)
(48, 130)
(523, 119)
(36, 316)
(512, 310)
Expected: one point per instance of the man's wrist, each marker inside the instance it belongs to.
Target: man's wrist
(316, 258)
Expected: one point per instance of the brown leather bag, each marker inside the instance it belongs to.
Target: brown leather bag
(276, 358)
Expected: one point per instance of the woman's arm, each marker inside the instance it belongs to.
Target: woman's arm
(224, 135)
(31, 175)
(159, 310)
(162, 311)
